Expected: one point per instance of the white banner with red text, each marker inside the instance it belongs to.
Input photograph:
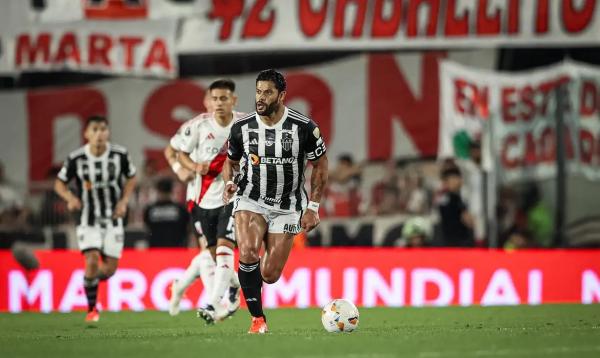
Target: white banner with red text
(135, 48)
(387, 107)
(312, 277)
(267, 25)
(519, 114)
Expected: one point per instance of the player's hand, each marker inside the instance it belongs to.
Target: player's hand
(184, 175)
(120, 209)
(229, 192)
(310, 220)
(202, 168)
(73, 204)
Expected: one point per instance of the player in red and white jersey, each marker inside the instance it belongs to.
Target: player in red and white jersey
(203, 146)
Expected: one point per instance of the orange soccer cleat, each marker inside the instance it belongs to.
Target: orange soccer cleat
(258, 326)
(92, 316)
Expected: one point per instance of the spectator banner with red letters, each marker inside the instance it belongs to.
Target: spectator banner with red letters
(144, 48)
(312, 277)
(387, 108)
(268, 25)
(518, 114)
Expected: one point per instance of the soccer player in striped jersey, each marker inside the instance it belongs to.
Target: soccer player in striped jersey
(268, 152)
(105, 179)
(203, 151)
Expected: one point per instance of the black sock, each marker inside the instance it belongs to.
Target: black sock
(102, 276)
(251, 283)
(90, 286)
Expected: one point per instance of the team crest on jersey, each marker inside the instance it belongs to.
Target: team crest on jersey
(287, 141)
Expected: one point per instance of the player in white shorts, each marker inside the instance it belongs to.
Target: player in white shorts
(201, 143)
(105, 180)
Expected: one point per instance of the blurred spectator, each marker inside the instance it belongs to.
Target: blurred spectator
(166, 220)
(455, 221)
(145, 193)
(416, 232)
(13, 214)
(385, 196)
(53, 209)
(473, 188)
(344, 187)
(419, 196)
(539, 219)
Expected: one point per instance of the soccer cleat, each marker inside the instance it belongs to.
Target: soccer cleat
(258, 326)
(174, 300)
(234, 300)
(92, 316)
(213, 314)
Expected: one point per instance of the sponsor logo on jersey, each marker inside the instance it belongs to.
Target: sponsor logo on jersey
(188, 131)
(210, 136)
(317, 132)
(287, 141)
(254, 142)
(256, 160)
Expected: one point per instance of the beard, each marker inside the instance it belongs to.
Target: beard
(268, 109)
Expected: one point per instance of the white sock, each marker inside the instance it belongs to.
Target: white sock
(223, 273)
(207, 271)
(190, 275)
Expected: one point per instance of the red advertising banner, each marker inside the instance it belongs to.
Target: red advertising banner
(369, 277)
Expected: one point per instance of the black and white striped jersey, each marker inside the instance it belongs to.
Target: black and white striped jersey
(99, 180)
(272, 159)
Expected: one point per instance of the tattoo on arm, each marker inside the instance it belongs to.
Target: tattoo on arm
(318, 179)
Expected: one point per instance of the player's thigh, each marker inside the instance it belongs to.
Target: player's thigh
(114, 239)
(209, 219)
(250, 231)
(225, 231)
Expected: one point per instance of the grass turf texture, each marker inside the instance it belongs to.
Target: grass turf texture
(523, 331)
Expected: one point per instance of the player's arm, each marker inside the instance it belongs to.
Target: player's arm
(171, 153)
(129, 171)
(187, 163)
(315, 152)
(231, 167)
(66, 173)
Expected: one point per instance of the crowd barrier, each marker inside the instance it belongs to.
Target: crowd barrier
(368, 276)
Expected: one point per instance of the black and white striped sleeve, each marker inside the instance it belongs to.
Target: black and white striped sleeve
(314, 145)
(68, 170)
(127, 168)
(235, 146)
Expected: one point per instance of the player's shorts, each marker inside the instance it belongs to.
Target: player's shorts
(279, 222)
(105, 237)
(215, 223)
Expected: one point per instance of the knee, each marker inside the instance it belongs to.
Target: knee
(249, 254)
(271, 276)
(92, 260)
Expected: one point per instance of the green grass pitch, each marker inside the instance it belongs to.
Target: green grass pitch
(523, 331)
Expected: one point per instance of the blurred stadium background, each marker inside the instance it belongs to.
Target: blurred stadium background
(505, 93)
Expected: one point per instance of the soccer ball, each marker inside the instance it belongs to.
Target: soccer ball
(339, 315)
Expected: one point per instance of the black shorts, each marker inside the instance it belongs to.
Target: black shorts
(215, 223)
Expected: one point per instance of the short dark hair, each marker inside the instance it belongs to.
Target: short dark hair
(96, 118)
(224, 83)
(450, 171)
(273, 76)
(165, 185)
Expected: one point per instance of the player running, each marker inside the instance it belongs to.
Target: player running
(105, 179)
(270, 149)
(203, 152)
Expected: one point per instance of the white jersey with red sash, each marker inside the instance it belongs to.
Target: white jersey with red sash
(206, 141)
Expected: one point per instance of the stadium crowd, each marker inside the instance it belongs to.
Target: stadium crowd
(440, 203)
